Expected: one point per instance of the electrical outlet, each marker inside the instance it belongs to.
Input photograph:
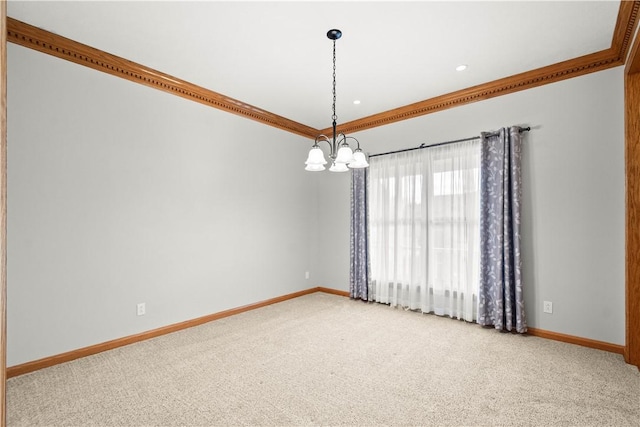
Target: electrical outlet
(142, 309)
(547, 307)
(306, 274)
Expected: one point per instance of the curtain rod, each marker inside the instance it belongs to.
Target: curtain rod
(423, 145)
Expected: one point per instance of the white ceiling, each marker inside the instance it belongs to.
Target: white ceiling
(276, 56)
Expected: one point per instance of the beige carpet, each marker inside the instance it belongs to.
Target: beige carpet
(326, 360)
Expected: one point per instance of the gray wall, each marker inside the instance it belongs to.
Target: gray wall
(334, 222)
(573, 208)
(120, 194)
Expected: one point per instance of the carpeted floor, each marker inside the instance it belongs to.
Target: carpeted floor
(326, 360)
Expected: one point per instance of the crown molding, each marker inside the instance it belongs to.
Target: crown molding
(633, 60)
(626, 24)
(46, 42)
(43, 41)
(553, 73)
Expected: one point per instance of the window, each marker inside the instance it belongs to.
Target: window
(424, 229)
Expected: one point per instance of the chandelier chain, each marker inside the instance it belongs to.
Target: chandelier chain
(334, 117)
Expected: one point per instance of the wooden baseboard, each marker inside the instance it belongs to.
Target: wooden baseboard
(585, 342)
(556, 336)
(14, 371)
(333, 291)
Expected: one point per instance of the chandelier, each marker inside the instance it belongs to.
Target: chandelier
(341, 155)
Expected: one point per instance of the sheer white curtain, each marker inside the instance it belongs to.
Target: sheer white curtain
(424, 209)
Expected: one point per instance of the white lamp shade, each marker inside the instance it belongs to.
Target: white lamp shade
(359, 160)
(345, 155)
(338, 167)
(314, 168)
(316, 157)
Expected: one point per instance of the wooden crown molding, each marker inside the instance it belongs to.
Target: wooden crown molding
(530, 79)
(626, 25)
(614, 56)
(633, 60)
(61, 47)
(46, 42)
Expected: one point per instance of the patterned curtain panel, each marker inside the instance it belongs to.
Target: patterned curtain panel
(359, 271)
(500, 296)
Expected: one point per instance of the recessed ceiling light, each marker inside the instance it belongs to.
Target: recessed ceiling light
(461, 67)
(356, 102)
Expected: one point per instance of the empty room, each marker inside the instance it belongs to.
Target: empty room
(320, 213)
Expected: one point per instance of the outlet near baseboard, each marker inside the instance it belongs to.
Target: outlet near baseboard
(141, 309)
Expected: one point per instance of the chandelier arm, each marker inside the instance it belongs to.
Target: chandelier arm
(322, 137)
(351, 137)
(325, 138)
